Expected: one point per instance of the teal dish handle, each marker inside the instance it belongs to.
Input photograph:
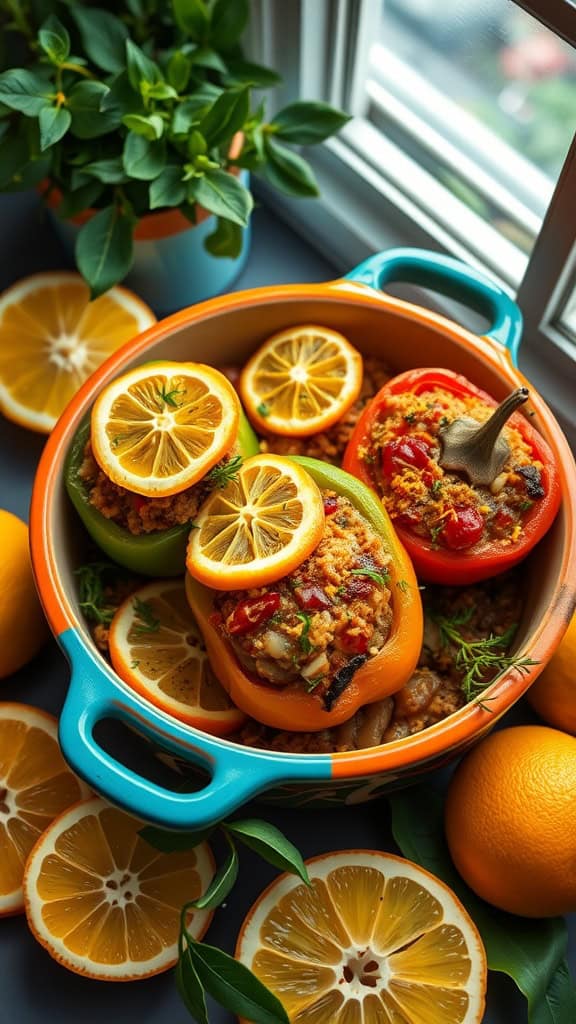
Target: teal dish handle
(450, 277)
(236, 773)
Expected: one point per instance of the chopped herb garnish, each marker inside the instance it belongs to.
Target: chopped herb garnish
(263, 409)
(311, 684)
(224, 473)
(146, 620)
(436, 488)
(305, 644)
(134, 664)
(403, 585)
(341, 590)
(435, 532)
(169, 397)
(93, 601)
(369, 458)
(410, 417)
(383, 578)
(275, 619)
(443, 421)
(525, 505)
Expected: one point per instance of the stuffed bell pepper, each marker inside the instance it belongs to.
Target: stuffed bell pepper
(158, 440)
(312, 608)
(470, 485)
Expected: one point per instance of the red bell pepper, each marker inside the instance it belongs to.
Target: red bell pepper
(466, 546)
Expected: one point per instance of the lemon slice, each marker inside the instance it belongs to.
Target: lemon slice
(374, 940)
(35, 786)
(159, 428)
(258, 528)
(157, 648)
(301, 381)
(105, 903)
(52, 338)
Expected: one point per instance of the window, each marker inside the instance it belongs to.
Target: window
(462, 140)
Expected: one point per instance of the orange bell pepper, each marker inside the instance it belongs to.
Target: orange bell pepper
(291, 707)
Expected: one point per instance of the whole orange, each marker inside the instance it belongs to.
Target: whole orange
(553, 695)
(510, 820)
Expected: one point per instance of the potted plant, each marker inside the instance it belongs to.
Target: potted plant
(138, 125)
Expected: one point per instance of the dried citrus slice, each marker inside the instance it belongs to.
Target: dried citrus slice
(375, 940)
(157, 648)
(301, 381)
(159, 428)
(105, 903)
(52, 338)
(266, 521)
(35, 786)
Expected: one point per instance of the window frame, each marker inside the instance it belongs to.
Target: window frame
(362, 210)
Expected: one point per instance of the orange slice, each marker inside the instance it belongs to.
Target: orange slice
(375, 940)
(301, 381)
(35, 786)
(159, 428)
(52, 338)
(157, 648)
(105, 903)
(258, 528)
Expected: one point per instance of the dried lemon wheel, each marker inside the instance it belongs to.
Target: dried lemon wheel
(157, 648)
(374, 940)
(301, 381)
(159, 428)
(258, 528)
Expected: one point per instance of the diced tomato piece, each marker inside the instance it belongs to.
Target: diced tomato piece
(358, 587)
(503, 518)
(311, 597)
(354, 643)
(251, 613)
(402, 452)
(463, 529)
(330, 505)
(137, 501)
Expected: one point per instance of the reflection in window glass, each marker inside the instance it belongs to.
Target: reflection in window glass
(496, 95)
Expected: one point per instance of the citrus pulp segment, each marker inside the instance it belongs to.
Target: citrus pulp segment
(52, 338)
(106, 904)
(157, 648)
(374, 940)
(161, 427)
(258, 528)
(301, 381)
(35, 786)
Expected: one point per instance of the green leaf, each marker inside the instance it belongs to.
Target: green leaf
(221, 193)
(140, 67)
(222, 883)
(171, 842)
(228, 21)
(109, 172)
(80, 199)
(104, 249)
(178, 70)
(531, 952)
(287, 171)
(226, 240)
(25, 91)
(190, 988)
(196, 144)
(54, 40)
(151, 127)
(205, 57)
(13, 157)
(158, 91)
(89, 121)
(193, 18)
(226, 116)
(251, 74)
(167, 189)
(270, 843)
(306, 123)
(235, 987)
(121, 97)
(193, 109)
(143, 159)
(54, 123)
(103, 36)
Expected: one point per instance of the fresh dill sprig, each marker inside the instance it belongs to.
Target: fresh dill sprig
(146, 621)
(383, 578)
(91, 586)
(169, 397)
(480, 661)
(223, 474)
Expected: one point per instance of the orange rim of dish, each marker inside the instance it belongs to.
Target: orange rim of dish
(463, 726)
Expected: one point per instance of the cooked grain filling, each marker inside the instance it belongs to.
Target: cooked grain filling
(318, 625)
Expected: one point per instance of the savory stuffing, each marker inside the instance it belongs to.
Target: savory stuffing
(318, 625)
(441, 506)
(329, 445)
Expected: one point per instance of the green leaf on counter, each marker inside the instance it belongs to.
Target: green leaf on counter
(221, 193)
(190, 988)
(226, 240)
(103, 36)
(172, 842)
(54, 123)
(142, 158)
(222, 883)
(54, 40)
(104, 249)
(24, 91)
(306, 123)
(234, 986)
(89, 120)
(287, 171)
(532, 952)
(270, 843)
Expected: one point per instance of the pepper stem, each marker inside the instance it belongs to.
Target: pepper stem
(480, 452)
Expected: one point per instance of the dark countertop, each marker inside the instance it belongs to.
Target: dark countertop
(34, 989)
